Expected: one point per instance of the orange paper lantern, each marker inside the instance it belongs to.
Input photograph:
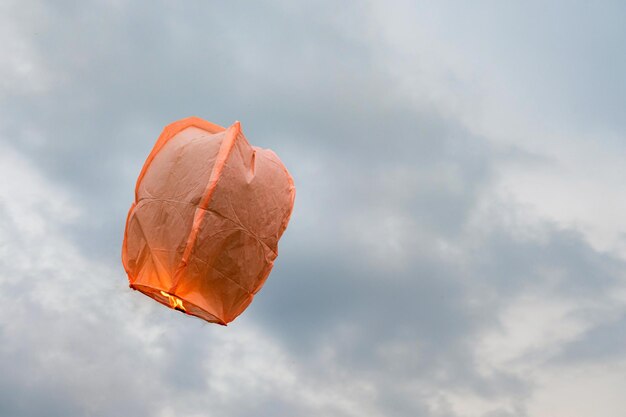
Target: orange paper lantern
(202, 234)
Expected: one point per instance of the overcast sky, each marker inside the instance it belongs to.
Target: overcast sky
(458, 242)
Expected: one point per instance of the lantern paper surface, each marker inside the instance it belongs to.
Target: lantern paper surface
(202, 234)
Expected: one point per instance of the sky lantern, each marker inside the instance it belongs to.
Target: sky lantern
(202, 234)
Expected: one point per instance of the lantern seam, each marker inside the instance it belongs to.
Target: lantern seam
(232, 133)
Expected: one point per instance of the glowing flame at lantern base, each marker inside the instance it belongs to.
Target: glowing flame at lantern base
(175, 302)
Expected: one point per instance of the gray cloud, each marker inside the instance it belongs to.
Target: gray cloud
(399, 258)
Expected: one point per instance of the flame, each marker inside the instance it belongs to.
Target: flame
(175, 302)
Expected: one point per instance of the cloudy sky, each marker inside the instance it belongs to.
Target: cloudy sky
(458, 243)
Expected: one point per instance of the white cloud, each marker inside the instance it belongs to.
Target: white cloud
(21, 69)
(580, 391)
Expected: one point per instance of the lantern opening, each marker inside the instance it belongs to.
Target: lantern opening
(175, 302)
(184, 305)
